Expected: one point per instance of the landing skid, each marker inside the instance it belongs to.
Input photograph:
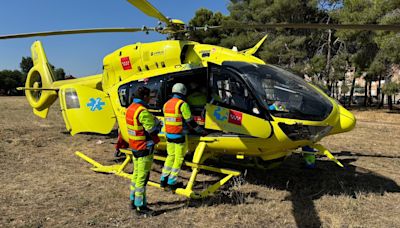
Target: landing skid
(196, 166)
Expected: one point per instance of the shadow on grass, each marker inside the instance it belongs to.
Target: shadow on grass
(307, 185)
(354, 154)
(112, 134)
(304, 186)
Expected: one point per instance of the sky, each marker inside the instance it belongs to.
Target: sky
(81, 55)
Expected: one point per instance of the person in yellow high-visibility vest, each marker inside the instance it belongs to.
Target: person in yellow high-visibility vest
(176, 112)
(143, 128)
(197, 96)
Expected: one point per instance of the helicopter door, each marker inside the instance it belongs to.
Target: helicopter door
(233, 108)
(86, 110)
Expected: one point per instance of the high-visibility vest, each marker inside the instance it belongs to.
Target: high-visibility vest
(173, 116)
(136, 133)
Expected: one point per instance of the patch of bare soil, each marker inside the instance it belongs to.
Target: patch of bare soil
(45, 185)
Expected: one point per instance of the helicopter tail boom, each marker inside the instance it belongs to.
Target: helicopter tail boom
(41, 89)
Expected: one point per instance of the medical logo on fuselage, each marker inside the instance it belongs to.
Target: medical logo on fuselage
(220, 114)
(95, 104)
(235, 117)
(126, 63)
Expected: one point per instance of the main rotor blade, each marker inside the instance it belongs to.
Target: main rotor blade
(77, 31)
(395, 27)
(149, 9)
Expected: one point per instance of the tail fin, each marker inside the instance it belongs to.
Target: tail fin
(39, 91)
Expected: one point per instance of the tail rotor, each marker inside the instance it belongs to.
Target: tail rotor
(38, 86)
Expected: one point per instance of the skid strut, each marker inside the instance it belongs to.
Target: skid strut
(196, 166)
(323, 152)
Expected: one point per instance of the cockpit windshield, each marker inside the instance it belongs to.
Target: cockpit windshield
(285, 94)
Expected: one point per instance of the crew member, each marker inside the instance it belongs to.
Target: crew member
(198, 96)
(277, 106)
(143, 128)
(176, 112)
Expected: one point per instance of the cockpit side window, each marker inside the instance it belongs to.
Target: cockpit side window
(229, 90)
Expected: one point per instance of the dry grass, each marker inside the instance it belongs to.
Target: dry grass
(45, 185)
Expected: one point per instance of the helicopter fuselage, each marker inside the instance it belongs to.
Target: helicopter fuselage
(243, 131)
(251, 108)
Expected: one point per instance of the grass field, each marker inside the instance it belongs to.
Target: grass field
(45, 185)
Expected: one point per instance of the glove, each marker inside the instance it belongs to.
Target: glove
(201, 131)
(204, 133)
(155, 138)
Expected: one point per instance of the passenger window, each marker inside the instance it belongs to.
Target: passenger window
(230, 91)
(123, 93)
(156, 92)
(155, 84)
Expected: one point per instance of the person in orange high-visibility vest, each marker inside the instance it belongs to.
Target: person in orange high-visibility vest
(143, 128)
(176, 113)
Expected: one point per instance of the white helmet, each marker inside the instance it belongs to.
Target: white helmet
(179, 88)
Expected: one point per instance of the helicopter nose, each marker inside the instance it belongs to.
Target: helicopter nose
(347, 121)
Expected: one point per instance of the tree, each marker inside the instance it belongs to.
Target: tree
(345, 89)
(378, 69)
(59, 73)
(361, 45)
(26, 64)
(291, 48)
(205, 17)
(391, 89)
(9, 81)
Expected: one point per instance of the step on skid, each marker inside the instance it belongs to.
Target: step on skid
(198, 158)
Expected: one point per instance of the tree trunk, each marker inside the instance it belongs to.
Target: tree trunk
(370, 100)
(352, 90)
(382, 101)
(390, 103)
(328, 58)
(365, 92)
(378, 92)
(332, 91)
(337, 90)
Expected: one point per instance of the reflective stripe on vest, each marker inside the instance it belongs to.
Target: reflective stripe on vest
(173, 116)
(137, 138)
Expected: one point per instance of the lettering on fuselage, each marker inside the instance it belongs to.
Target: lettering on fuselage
(155, 53)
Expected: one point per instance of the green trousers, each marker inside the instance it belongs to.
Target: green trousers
(140, 177)
(173, 162)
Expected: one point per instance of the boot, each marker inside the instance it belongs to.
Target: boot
(173, 187)
(144, 210)
(132, 205)
(117, 153)
(164, 183)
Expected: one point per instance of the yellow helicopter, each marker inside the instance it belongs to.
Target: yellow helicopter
(253, 110)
